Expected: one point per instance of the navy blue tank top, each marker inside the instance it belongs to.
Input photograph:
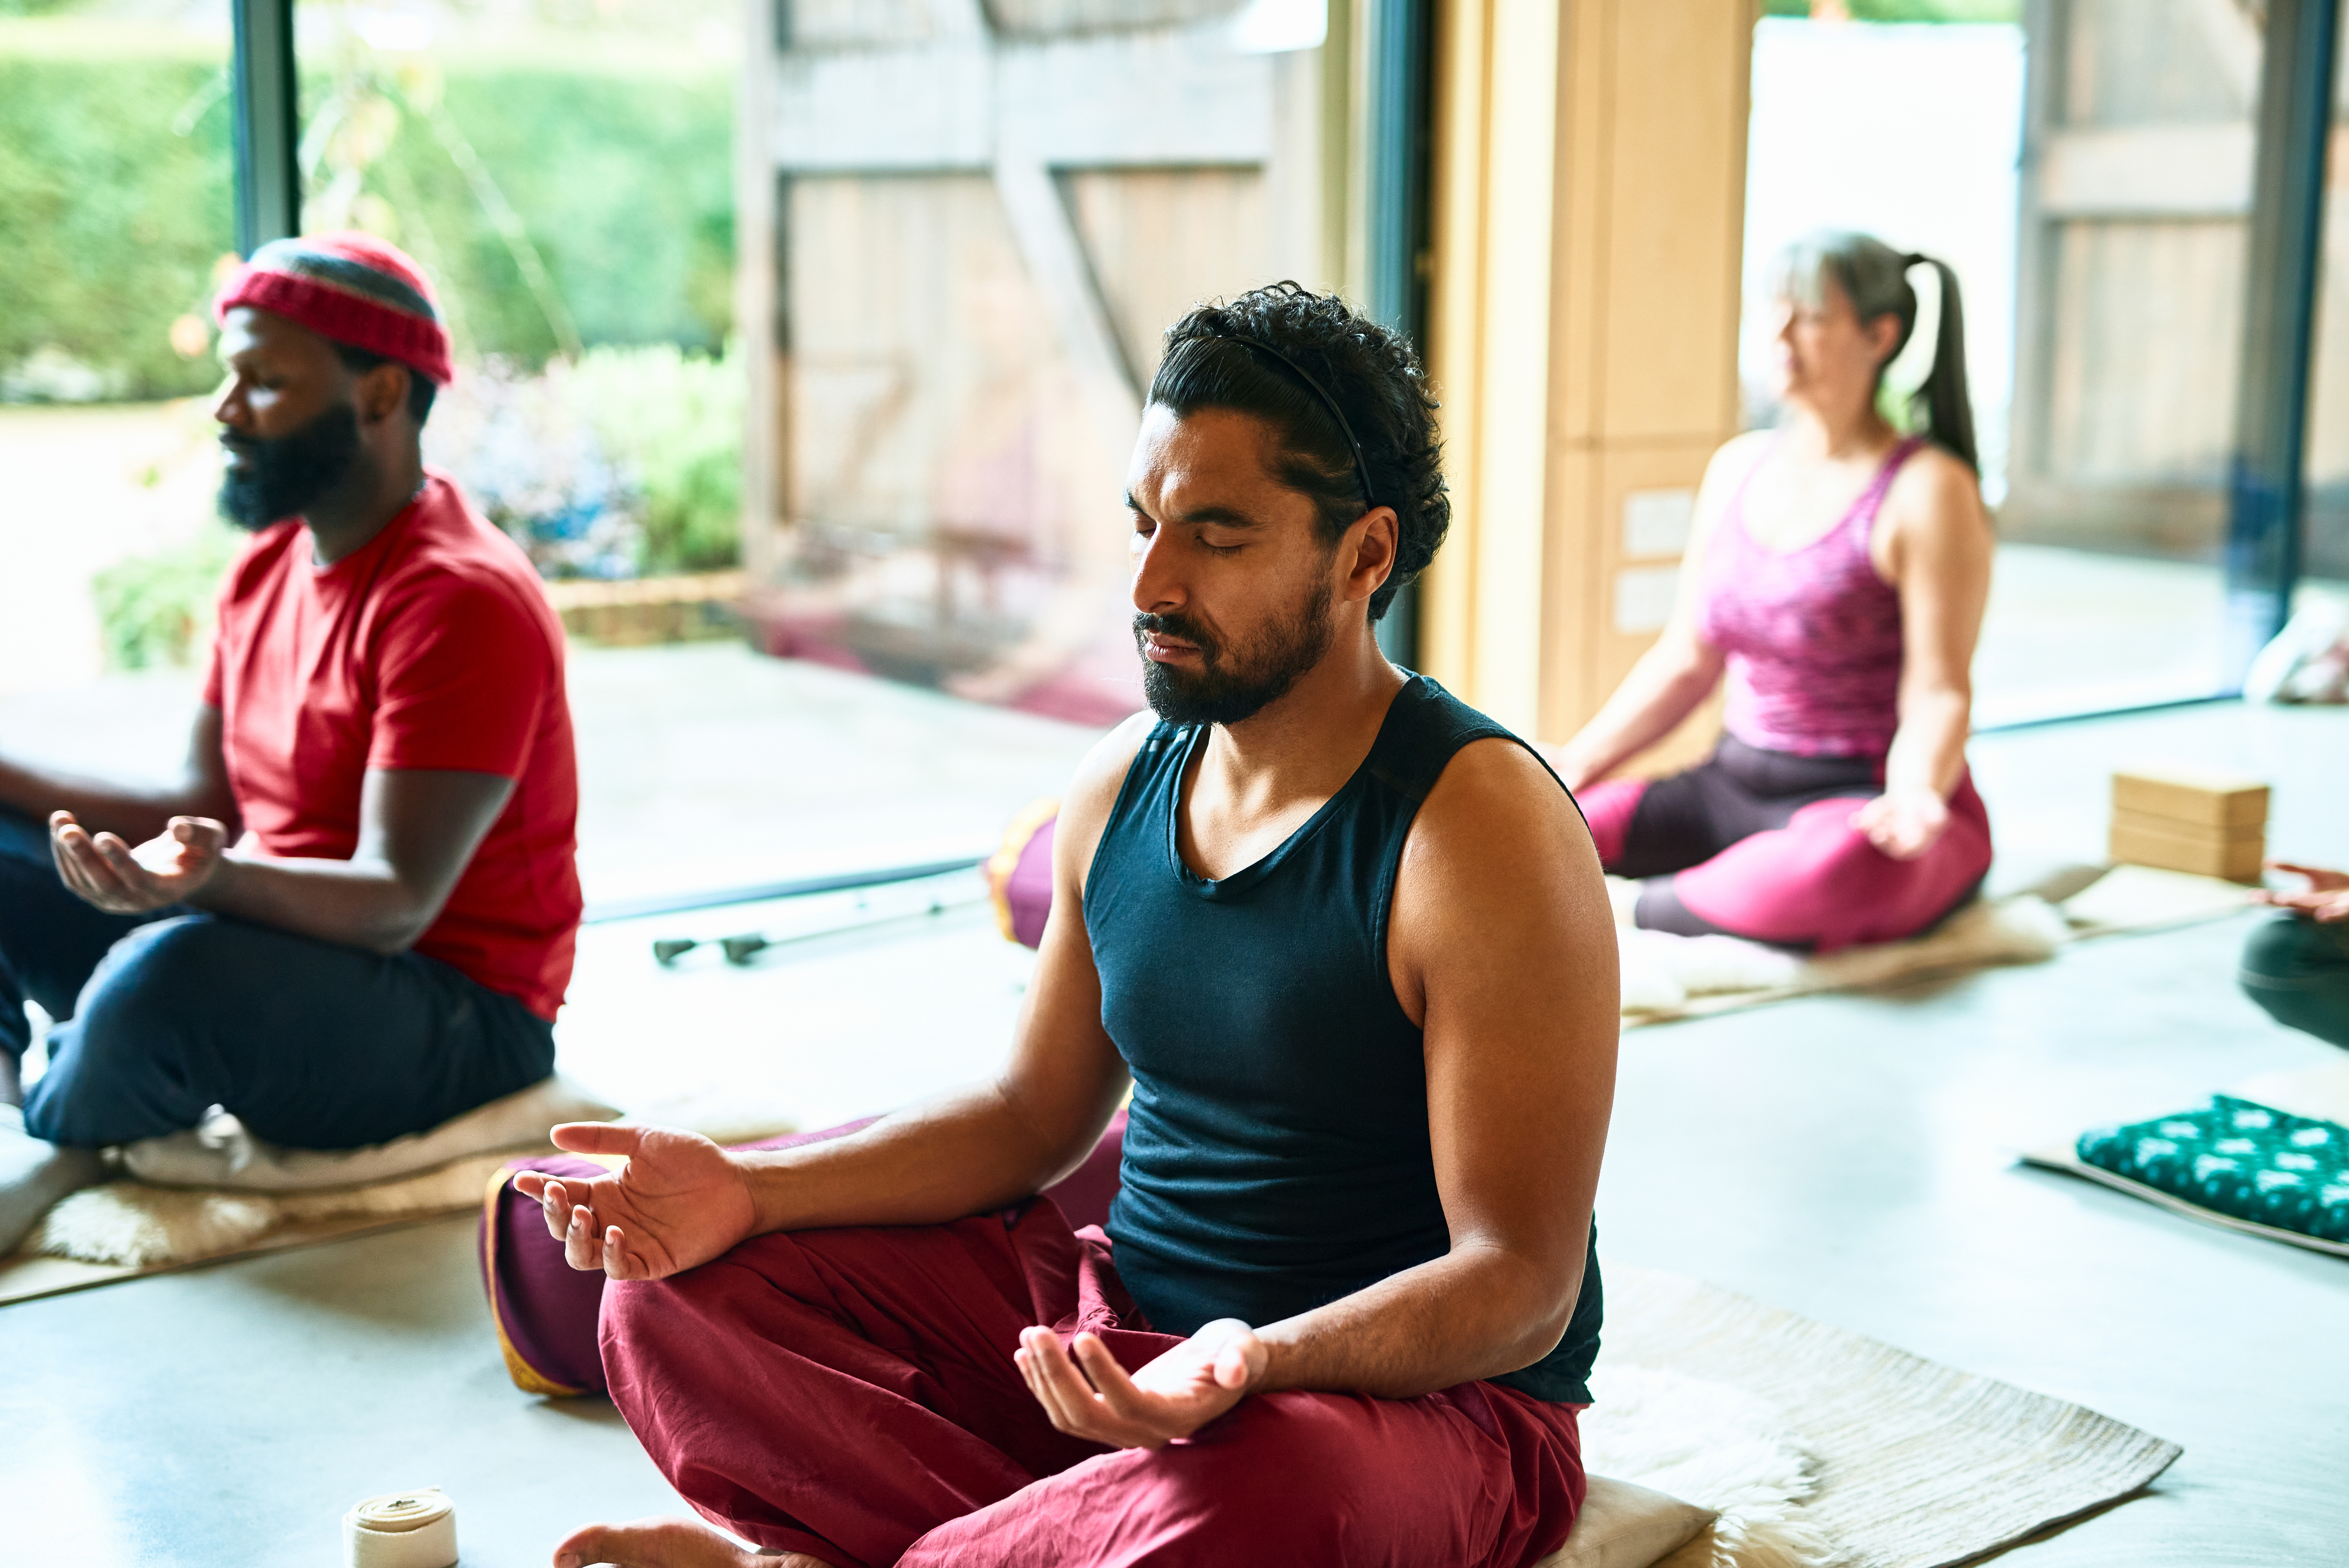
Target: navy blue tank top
(1276, 1152)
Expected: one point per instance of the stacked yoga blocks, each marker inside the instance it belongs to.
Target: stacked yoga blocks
(2186, 820)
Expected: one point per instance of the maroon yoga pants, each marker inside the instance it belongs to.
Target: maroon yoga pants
(851, 1394)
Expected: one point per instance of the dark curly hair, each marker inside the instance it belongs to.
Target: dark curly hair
(1376, 381)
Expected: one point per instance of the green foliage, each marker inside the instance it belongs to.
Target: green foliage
(622, 177)
(154, 609)
(674, 422)
(109, 222)
(624, 462)
(1910, 10)
(117, 197)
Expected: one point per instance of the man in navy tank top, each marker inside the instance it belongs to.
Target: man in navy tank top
(1346, 942)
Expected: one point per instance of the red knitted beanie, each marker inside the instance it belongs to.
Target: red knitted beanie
(352, 287)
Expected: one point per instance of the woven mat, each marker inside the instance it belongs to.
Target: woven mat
(1920, 1465)
(2072, 904)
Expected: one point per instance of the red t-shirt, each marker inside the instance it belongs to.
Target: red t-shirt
(432, 646)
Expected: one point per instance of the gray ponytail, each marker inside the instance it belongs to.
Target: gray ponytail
(1875, 278)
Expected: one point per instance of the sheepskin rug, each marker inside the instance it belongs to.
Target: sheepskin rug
(1713, 1446)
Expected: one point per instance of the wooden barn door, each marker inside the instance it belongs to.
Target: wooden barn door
(983, 216)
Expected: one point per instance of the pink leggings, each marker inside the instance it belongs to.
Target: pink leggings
(851, 1394)
(1760, 844)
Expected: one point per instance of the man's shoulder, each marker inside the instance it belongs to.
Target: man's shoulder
(1494, 803)
(1497, 777)
(459, 566)
(1102, 773)
(1441, 740)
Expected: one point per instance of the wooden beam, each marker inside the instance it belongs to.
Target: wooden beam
(1160, 97)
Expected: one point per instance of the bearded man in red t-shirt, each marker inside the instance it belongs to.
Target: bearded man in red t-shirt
(352, 916)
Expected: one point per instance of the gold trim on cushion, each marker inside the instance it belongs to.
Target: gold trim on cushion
(526, 1378)
(1006, 859)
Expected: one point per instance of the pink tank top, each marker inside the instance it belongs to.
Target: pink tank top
(1813, 636)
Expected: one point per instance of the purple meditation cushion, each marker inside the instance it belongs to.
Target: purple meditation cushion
(1020, 874)
(545, 1311)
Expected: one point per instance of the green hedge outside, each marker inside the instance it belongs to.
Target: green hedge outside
(109, 222)
(112, 220)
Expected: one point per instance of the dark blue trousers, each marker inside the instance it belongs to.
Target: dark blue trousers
(311, 1045)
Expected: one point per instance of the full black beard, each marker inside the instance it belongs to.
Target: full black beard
(1218, 694)
(292, 473)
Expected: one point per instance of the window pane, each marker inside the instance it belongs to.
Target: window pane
(2104, 324)
(2131, 262)
(566, 174)
(116, 213)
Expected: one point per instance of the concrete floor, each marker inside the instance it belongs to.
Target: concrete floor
(1849, 1158)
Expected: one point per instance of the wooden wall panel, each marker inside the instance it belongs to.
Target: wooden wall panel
(1589, 230)
(1675, 205)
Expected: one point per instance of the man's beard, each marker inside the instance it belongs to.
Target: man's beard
(1227, 690)
(292, 473)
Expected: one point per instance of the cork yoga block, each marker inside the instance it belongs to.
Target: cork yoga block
(2235, 854)
(2192, 797)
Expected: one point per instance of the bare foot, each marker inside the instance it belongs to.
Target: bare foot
(667, 1543)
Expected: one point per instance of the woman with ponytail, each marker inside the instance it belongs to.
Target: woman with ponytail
(1836, 576)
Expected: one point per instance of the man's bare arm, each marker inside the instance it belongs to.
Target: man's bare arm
(1501, 944)
(134, 812)
(417, 832)
(962, 1154)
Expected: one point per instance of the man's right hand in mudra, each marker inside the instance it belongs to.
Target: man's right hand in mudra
(679, 1201)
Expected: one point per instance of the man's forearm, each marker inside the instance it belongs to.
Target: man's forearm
(1476, 1312)
(357, 903)
(133, 812)
(966, 1153)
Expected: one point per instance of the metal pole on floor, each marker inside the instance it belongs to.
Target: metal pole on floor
(268, 124)
(2267, 498)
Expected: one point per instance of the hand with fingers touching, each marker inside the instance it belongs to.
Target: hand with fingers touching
(1172, 1397)
(679, 1201)
(2324, 900)
(169, 868)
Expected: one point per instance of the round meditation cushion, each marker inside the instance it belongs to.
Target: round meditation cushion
(547, 1311)
(1020, 874)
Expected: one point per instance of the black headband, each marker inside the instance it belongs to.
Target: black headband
(1361, 468)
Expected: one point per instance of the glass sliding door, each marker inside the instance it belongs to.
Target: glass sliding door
(117, 213)
(566, 174)
(2090, 182)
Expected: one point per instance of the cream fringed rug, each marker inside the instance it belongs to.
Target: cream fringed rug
(1910, 1464)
